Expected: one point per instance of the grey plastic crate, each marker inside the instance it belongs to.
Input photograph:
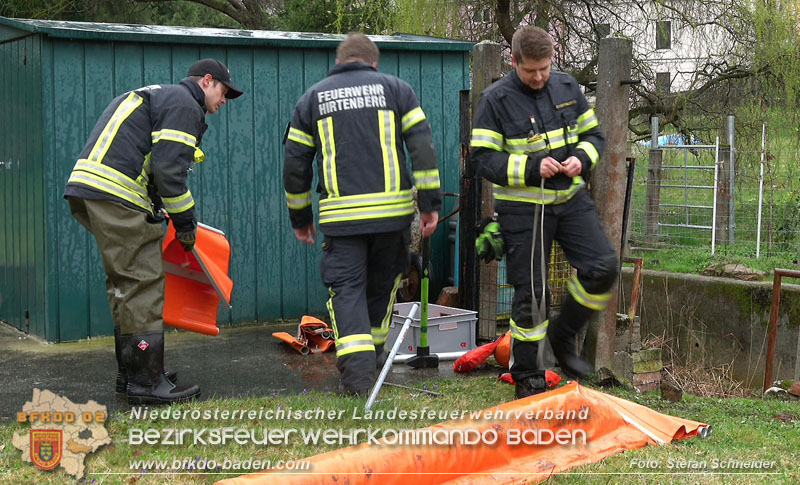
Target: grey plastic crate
(449, 329)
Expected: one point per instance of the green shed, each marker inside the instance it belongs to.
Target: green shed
(58, 76)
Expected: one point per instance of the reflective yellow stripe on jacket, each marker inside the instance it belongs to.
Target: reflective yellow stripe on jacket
(366, 206)
(411, 118)
(518, 150)
(185, 201)
(325, 127)
(426, 179)
(536, 195)
(123, 111)
(392, 202)
(174, 135)
(93, 173)
(391, 167)
(516, 170)
(178, 204)
(587, 121)
(111, 186)
(298, 201)
(301, 137)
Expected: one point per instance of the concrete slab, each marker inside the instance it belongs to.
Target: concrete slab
(241, 361)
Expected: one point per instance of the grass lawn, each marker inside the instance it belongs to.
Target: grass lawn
(695, 260)
(744, 430)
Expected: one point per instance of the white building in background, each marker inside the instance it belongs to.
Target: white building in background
(678, 45)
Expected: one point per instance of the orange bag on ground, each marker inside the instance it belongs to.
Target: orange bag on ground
(501, 348)
(196, 281)
(313, 336)
(609, 424)
(502, 354)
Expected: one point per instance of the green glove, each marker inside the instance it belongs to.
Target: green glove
(489, 243)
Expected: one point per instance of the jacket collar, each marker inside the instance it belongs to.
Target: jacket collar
(196, 91)
(524, 87)
(350, 66)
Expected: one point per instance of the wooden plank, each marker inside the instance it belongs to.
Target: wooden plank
(243, 184)
(432, 103)
(52, 193)
(212, 179)
(314, 70)
(270, 204)
(99, 91)
(38, 267)
(74, 241)
(5, 186)
(294, 295)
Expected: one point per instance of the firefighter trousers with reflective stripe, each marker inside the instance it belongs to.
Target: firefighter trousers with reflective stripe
(362, 273)
(576, 226)
(130, 247)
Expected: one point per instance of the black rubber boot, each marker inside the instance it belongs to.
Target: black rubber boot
(143, 357)
(357, 373)
(562, 332)
(530, 386)
(380, 356)
(346, 391)
(122, 376)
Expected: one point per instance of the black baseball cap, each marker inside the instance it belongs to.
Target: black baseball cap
(218, 71)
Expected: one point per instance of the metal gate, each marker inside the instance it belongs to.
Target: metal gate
(692, 211)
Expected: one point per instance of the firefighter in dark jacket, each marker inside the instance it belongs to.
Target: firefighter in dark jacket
(536, 139)
(355, 122)
(134, 164)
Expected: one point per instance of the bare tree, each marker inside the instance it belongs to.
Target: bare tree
(699, 50)
(697, 57)
(251, 14)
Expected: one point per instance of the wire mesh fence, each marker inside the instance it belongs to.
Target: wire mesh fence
(502, 298)
(699, 204)
(753, 211)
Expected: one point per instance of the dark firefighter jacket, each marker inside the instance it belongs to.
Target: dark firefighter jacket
(515, 127)
(355, 121)
(141, 149)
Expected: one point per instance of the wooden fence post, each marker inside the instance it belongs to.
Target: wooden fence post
(610, 178)
(486, 69)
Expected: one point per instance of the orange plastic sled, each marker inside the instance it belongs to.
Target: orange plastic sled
(611, 425)
(196, 281)
(313, 336)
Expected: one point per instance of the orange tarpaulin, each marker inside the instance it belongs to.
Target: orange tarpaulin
(196, 281)
(610, 425)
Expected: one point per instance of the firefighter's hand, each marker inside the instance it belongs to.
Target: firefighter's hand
(428, 222)
(306, 234)
(549, 167)
(187, 239)
(572, 166)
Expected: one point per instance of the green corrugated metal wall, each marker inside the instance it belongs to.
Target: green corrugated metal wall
(57, 89)
(23, 262)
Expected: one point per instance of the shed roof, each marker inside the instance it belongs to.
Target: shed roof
(202, 35)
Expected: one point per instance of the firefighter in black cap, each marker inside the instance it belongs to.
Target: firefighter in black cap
(537, 139)
(135, 164)
(356, 122)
